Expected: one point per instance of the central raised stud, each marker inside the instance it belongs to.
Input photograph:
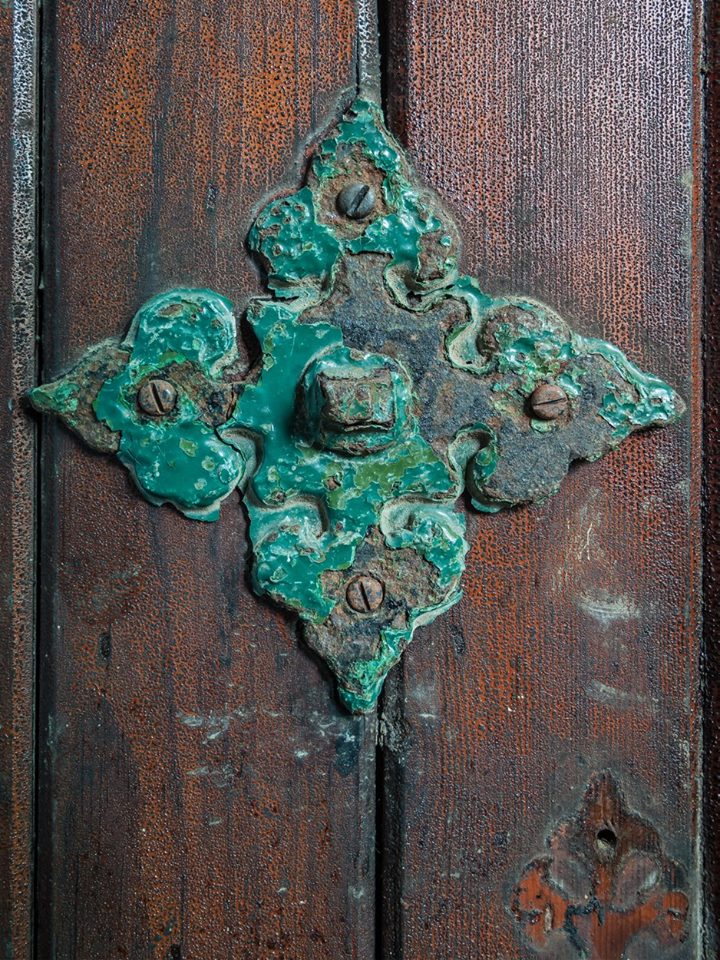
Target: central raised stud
(365, 402)
(353, 404)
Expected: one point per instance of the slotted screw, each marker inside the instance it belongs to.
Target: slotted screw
(356, 200)
(548, 401)
(365, 593)
(157, 397)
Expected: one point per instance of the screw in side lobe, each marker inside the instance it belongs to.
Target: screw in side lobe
(365, 593)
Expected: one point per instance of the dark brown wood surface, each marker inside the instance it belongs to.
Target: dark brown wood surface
(562, 136)
(202, 796)
(711, 725)
(17, 472)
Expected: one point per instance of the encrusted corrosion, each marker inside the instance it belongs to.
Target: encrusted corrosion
(389, 383)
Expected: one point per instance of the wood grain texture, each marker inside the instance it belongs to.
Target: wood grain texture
(563, 136)
(711, 612)
(202, 797)
(17, 471)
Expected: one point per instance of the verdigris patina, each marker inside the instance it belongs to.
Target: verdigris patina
(389, 383)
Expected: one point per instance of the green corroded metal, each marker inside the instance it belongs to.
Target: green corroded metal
(312, 503)
(189, 337)
(389, 383)
(303, 240)
(177, 459)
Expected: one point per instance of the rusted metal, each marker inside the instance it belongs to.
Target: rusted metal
(548, 401)
(365, 593)
(605, 883)
(73, 396)
(157, 397)
(356, 201)
(389, 384)
(18, 464)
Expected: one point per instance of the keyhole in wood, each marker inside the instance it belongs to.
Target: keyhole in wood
(606, 842)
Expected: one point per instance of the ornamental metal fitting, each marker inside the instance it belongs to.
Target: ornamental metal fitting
(389, 384)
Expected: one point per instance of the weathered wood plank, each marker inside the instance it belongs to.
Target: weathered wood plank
(564, 137)
(17, 471)
(202, 796)
(711, 612)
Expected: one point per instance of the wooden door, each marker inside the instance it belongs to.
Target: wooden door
(179, 779)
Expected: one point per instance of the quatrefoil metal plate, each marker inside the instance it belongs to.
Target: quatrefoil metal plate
(389, 385)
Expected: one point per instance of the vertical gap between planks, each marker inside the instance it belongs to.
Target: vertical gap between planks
(41, 331)
(382, 837)
(389, 780)
(390, 786)
(383, 27)
(379, 844)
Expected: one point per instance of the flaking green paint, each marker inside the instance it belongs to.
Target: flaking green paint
(340, 471)
(302, 253)
(327, 501)
(177, 459)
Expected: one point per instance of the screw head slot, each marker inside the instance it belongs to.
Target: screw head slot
(365, 593)
(157, 397)
(356, 201)
(548, 402)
